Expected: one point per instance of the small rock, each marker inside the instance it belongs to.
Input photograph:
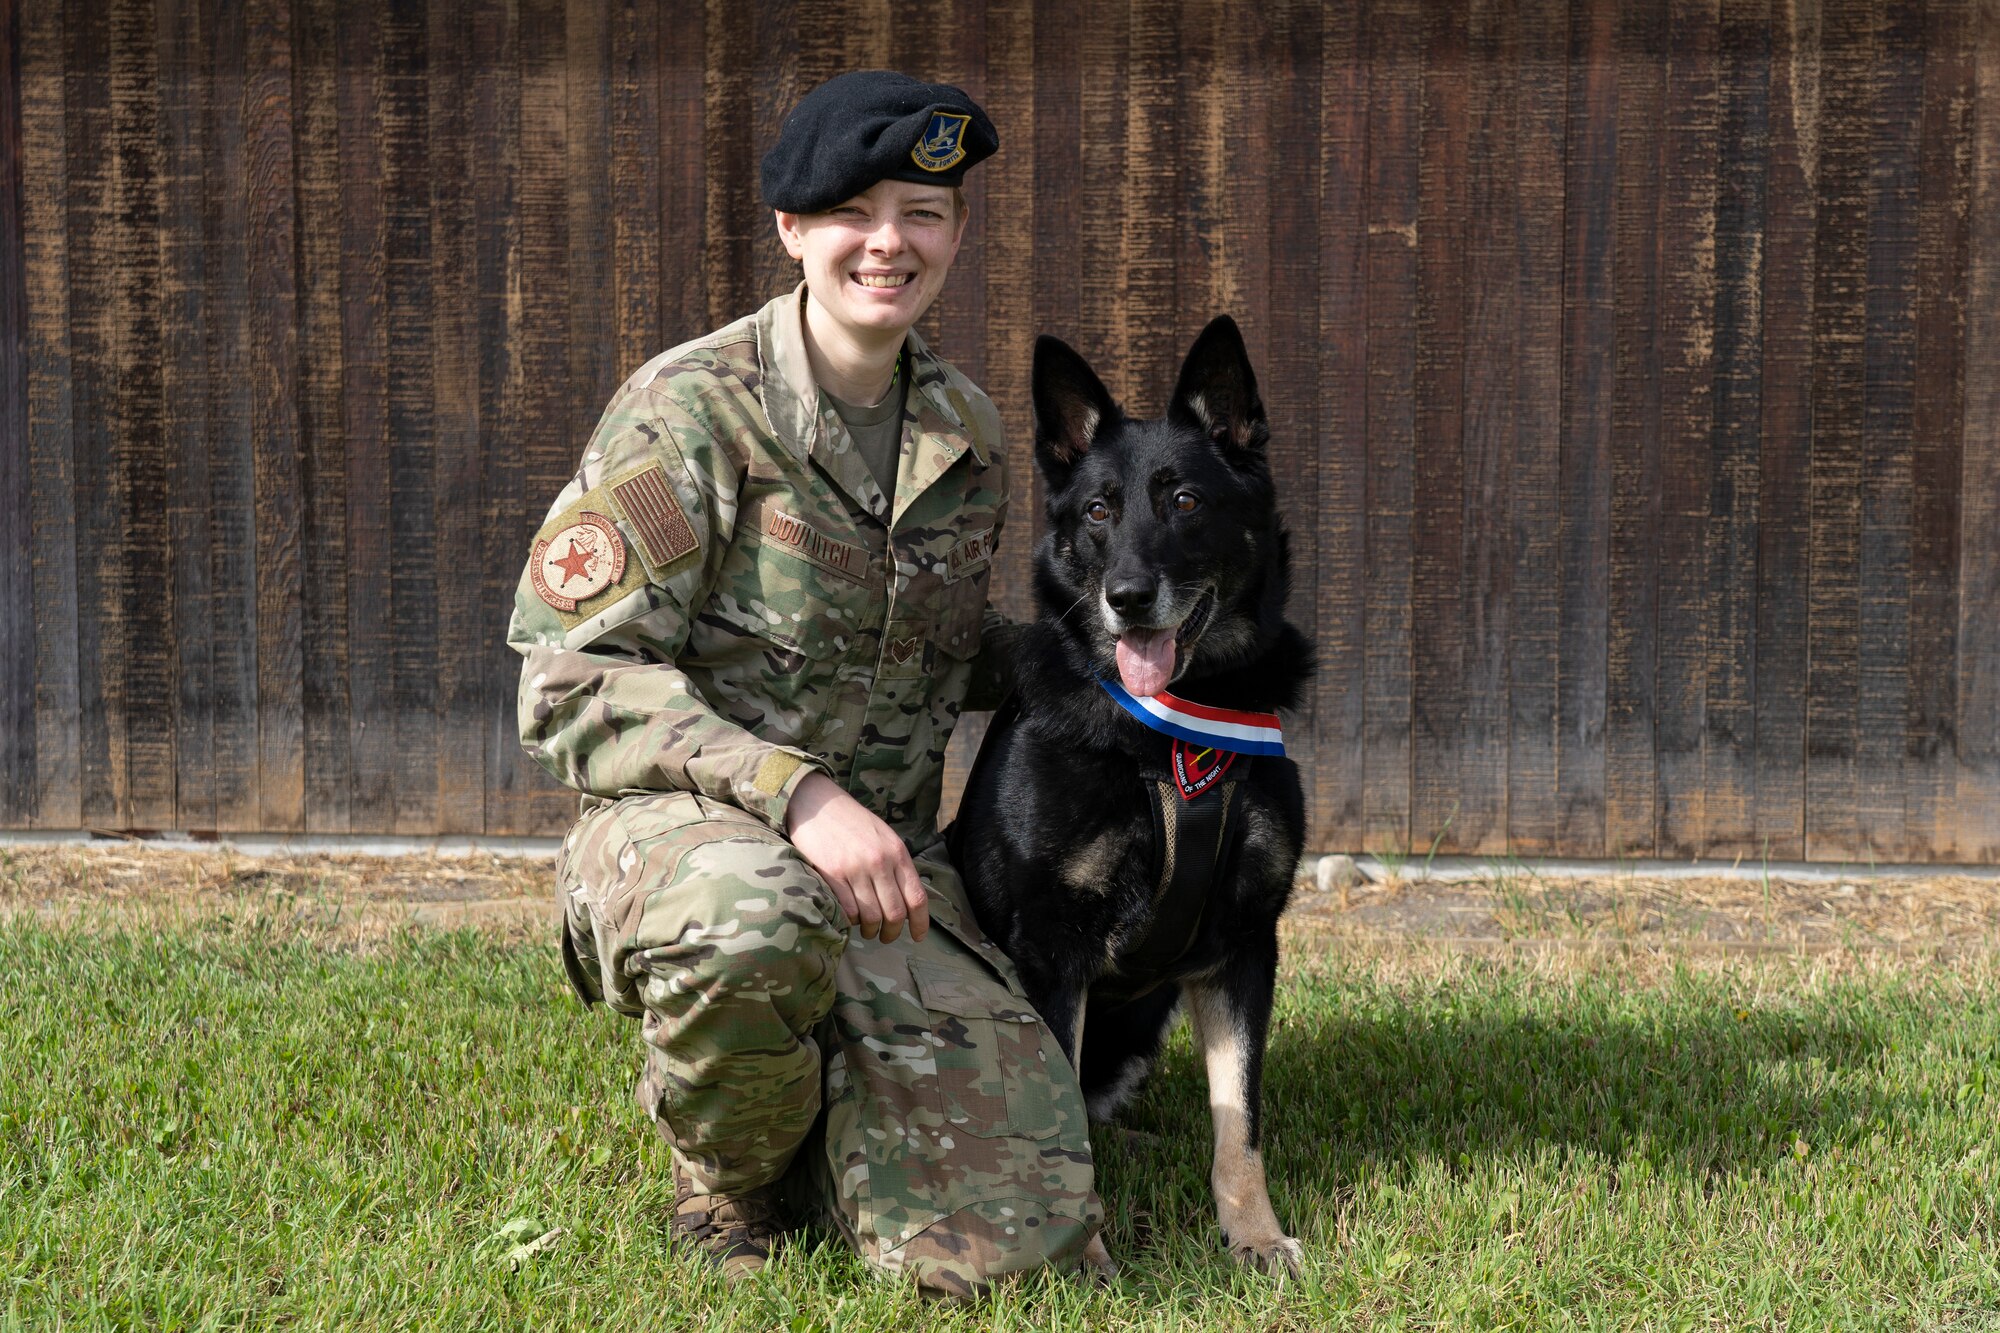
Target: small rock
(1336, 874)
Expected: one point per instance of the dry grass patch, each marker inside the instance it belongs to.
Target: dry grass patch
(349, 901)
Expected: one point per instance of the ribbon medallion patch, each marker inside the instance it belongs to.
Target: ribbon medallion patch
(1198, 767)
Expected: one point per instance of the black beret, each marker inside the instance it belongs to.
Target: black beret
(868, 126)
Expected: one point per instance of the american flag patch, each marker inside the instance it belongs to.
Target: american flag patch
(655, 515)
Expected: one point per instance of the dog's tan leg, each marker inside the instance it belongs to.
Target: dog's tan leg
(1242, 1199)
(1076, 1034)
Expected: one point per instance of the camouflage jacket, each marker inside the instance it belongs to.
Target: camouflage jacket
(722, 599)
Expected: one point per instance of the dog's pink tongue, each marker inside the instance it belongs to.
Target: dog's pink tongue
(1146, 660)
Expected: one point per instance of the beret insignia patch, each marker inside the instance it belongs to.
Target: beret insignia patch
(578, 561)
(942, 145)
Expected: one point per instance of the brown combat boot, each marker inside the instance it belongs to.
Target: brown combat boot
(734, 1232)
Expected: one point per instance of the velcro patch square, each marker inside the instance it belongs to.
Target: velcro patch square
(836, 557)
(969, 556)
(658, 521)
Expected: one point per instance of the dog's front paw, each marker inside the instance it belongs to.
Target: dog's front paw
(1099, 1268)
(1275, 1253)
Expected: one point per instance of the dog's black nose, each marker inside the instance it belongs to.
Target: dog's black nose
(1131, 596)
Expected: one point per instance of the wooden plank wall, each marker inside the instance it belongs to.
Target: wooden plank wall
(1635, 370)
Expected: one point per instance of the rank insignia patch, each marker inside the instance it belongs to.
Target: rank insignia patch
(577, 561)
(942, 146)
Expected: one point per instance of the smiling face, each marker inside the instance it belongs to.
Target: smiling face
(876, 262)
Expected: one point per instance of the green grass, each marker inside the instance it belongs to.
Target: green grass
(225, 1124)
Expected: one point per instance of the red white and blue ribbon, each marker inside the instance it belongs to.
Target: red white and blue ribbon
(1230, 729)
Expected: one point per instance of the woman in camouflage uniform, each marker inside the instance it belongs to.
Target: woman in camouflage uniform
(750, 622)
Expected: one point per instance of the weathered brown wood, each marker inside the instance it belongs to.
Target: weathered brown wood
(1201, 244)
(779, 37)
(1243, 189)
(327, 726)
(549, 445)
(1155, 335)
(634, 97)
(1729, 738)
(17, 616)
(551, 451)
(594, 362)
(1493, 351)
(1590, 330)
(232, 550)
(1005, 209)
(1840, 289)
(1341, 527)
(507, 514)
(1395, 95)
(365, 416)
(465, 634)
(1102, 321)
(1631, 781)
(51, 416)
(411, 316)
(735, 222)
(1937, 435)
(1288, 311)
(184, 283)
(1888, 416)
(684, 263)
(1057, 270)
(1627, 364)
(270, 181)
(1977, 788)
(100, 500)
(1437, 637)
(1533, 418)
(1687, 357)
(1784, 467)
(144, 577)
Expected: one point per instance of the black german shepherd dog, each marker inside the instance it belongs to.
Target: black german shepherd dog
(1164, 564)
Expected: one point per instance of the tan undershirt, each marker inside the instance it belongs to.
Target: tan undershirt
(877, 432)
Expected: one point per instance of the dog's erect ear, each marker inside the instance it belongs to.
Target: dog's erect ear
(1071, 405)
(1217, 393)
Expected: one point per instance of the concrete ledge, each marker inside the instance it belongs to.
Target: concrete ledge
(292, 844)
(1413, 870)
(1461, 869)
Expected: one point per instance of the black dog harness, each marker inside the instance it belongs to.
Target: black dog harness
(1192, 799)
(1192, 834)
(1191, 794)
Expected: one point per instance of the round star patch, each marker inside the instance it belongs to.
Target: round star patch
(579, 561)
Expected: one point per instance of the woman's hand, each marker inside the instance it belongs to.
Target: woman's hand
(859, 857)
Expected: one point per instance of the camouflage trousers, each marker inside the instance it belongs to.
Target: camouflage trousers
(906, 1093)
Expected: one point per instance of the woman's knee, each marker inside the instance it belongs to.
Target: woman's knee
(669, 896)
(739, 919)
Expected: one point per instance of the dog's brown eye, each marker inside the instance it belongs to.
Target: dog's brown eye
(1186, 501)
(1098, 511)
